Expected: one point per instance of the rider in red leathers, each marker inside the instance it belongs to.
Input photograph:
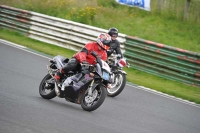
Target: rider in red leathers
(84, 55)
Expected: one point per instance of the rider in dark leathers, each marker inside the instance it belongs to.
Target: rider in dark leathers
(114, 45)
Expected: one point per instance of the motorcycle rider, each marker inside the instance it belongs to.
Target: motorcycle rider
(114, 45)
(84, 56)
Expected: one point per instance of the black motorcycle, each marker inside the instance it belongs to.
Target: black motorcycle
(86, 85)
(118, 75)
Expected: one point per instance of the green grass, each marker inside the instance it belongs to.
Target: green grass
(174, 88)
(34, 44)
(166, 27)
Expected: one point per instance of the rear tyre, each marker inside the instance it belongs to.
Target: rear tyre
(47, 91)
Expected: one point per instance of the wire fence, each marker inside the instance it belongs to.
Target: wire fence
(188, 10)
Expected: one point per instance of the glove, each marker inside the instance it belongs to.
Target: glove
(118, 56)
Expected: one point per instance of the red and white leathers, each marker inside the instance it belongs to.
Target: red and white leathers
(84, 55)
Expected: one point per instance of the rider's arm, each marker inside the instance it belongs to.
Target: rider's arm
(110, 51)
(118, 49)
(81, 55)
(104, 56)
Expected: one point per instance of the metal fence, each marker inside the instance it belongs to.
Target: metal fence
(162, 60)
(155, 58)
(64, 33)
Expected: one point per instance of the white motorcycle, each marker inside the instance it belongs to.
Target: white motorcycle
(118, 76)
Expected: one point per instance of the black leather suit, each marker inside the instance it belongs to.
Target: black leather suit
(114, 46)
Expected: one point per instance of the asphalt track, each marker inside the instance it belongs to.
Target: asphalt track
(135, 110)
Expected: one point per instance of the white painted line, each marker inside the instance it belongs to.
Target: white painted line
(21, 47)
(13, 44)
(165, 95)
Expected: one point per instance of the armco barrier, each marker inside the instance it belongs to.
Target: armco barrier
(64, 33)
(165, 61)
(162, 60)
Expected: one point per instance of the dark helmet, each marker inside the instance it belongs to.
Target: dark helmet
(113, 31)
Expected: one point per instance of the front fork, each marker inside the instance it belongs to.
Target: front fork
(50, 71)
(112, 77)
(90, 88)
(56, 85)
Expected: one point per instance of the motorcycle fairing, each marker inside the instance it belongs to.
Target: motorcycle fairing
(74, 84)
(105, 66)
(60, 61)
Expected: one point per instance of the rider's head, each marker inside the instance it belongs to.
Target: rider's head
(113, 32)
(104, 40)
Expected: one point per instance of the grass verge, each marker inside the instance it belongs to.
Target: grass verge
(165, 27)
(170, 87)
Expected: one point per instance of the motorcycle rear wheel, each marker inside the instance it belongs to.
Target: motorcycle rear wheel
(46, 93)
(91, 103)
(118, 85)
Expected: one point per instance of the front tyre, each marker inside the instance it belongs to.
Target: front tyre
(46, 89)
(91, 103)
(118, 85)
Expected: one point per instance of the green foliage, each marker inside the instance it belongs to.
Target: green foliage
(84, 15)
(166, 27)
(110, 3)
(34, 44)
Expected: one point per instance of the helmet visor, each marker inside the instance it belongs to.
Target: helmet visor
(106, 42)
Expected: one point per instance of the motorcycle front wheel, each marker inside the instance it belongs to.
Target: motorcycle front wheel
(118, 85)
(91, 103)
(47, 90)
